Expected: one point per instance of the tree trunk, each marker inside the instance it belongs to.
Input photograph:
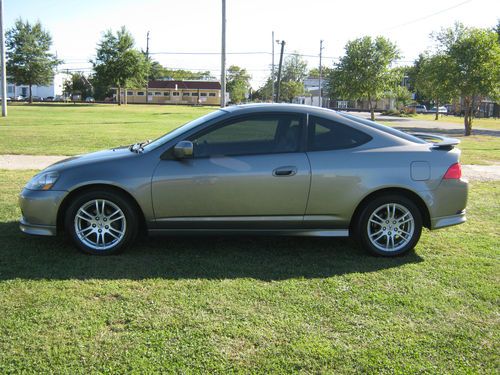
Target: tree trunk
(119, 95)
(437, 110)
(31, 94)
(372, 112)
(468, 117)
(125, 99)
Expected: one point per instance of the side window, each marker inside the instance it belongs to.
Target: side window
(330, 135)
(262, 134)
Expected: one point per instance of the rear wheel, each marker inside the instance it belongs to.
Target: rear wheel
(389, 225)
(101, 222)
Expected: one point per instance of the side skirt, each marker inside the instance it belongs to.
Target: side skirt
(252, 232)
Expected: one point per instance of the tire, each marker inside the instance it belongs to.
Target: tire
(389, 225)
(101, 234)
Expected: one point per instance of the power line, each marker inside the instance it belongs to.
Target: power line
(424, 17)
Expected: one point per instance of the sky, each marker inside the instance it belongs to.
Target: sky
(179, 28)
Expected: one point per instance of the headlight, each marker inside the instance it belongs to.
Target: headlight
(43, 181)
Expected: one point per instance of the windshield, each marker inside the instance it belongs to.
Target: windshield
(387, 129)
(184, 128)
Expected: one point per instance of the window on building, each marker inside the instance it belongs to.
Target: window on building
(330, 135)
(130, 93)
(166, 93)
(211, 94)
(175, 93)
(185, 94)
(140, 93)
(194, 94)
(203, 94)
(157, 93)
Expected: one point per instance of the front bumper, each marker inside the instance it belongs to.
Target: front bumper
(39, 211)
(37, 230)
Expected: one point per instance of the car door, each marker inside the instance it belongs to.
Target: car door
(338, 168)
(247, 172)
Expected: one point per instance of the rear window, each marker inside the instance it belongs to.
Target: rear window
(330, 135)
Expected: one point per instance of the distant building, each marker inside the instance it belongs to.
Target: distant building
(55, 89)
(311, 96)
(176, 92)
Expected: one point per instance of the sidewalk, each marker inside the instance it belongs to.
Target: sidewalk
(24, 162)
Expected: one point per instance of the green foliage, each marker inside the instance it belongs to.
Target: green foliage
(364, 72)
(434, 78)
(29, 61)
(474, 65)
(182, 74)
(78, 84)
(238, 83)
(291, 89)
(314, 73)
(294, 68)
(118, 63)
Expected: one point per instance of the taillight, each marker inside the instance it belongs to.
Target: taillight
(454, 172)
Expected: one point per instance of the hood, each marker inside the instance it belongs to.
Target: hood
(93, 157)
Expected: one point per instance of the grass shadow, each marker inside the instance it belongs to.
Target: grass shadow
(201, 257)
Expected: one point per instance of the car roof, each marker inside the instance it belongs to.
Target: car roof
(277, 107)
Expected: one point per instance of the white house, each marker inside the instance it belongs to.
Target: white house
(55, 89)
(311, 86)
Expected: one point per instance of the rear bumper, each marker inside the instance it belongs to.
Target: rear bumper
(447, 221)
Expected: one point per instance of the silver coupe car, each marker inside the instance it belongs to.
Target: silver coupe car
(255, 169)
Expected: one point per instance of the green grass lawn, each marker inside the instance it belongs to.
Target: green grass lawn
(68, 129)
(482, 123)
(262, 305)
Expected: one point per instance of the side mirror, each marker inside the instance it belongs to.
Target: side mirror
(183, 150)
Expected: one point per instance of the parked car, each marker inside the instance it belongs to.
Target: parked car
(419, 108)
(442, 110)
(89, 99)
(19, 97)
(37, 98)
(8, 99)
(255, 169)
(49, 98)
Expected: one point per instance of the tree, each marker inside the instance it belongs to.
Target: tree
(29, 61)
(474, 63)
(291, 89)
(434, 79)
(78, 84)
(294, 68)
(118, 63)
(238, 83)
(364, 72)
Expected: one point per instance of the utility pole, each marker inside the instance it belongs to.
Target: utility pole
(320, 73)
(272, 69)
(279, 70)
(147, 59)
(223, 58)
(2, 57)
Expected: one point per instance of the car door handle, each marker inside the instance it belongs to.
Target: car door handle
(285, 171)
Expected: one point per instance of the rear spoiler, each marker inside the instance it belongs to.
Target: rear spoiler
(438, 141)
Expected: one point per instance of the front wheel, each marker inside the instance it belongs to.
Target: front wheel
(389, 225)
(101, 222)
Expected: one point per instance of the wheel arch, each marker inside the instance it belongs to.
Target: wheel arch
(414, 197)
(61, 212)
